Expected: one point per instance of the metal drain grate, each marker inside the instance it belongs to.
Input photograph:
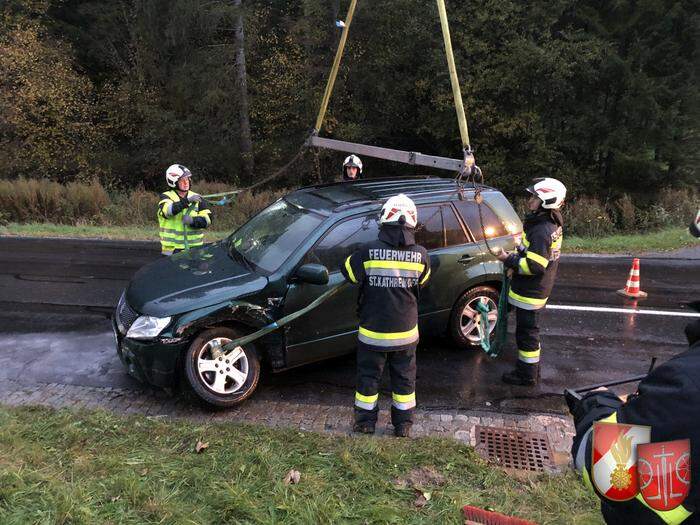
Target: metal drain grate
(515, 449)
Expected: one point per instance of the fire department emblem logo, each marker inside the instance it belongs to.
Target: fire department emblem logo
(663, 471)
(615, 458)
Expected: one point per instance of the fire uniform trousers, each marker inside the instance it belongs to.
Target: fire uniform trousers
(534, 266)
(390, 278)
(667, 400)
(174, 235)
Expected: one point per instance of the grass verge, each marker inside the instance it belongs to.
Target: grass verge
(660, 241)
(130, 233)
(96, 467)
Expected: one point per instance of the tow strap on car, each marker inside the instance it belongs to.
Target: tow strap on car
(494, 348)
(241, 341)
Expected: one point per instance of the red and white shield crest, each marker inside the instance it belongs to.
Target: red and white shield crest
(615, 458)
(663, 470)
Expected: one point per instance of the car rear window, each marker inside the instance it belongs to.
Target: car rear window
(493, 226)
(454, 233)
(342, 240)
(429, 231)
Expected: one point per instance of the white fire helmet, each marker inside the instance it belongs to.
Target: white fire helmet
(397, 207)
(353, 161)
(550, 191)
(175, 173)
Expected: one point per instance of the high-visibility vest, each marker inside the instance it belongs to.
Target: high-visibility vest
(174, 235)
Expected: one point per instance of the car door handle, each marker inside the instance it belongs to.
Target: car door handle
(466, 258)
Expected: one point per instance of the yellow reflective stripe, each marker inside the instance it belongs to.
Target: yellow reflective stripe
(523, 267)
(537, 258)
(670, 517)
(526, 300)
(366, 399)
(525, 241)
(398, 265)
(349, 270)
(401, 398)
(389, 335)
(529, 353)
(425, 279)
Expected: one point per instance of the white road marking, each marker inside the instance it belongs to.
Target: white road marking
(670, 313)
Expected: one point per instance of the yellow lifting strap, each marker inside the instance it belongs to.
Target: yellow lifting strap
(456, 92)
(336, 66)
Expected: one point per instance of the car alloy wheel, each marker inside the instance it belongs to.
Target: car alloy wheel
(471, 318)
(221, 378)
(223, 373)
(464, 320)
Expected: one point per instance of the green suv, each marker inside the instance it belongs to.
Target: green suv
(178, 312)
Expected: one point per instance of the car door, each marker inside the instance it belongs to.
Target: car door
(454, 260)
(330, 329)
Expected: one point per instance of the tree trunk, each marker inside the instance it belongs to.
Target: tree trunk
(245, 138)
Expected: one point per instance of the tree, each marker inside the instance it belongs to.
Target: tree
(246, 141)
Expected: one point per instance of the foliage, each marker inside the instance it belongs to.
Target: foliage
(603, 95)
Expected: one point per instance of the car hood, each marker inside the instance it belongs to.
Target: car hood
(191, 280)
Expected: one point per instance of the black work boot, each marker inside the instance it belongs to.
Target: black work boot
(403, 430)
(363, 427)
(525, 374)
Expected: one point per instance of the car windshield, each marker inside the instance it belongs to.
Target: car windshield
(269, 238)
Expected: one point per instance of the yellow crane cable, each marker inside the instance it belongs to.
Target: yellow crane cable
(456, 92)
(334, 69)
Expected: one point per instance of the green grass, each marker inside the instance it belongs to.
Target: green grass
(92, 232)
(660, 241)
(96, 467)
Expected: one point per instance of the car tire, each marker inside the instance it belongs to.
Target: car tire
(462, 327)
(219, 381)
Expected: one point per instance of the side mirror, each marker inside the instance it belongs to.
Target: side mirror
(313, 274)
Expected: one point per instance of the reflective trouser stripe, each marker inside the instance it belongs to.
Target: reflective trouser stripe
(526, 303)
(580, 457)
(529, 356)
(366, 402)
(399, 265)
(523, 267)
(348, 268)
(403, 402)
(425, 279)
(537, 258)
(388, 339)
(670, 517)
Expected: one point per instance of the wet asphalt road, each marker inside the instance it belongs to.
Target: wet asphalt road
(57, 296)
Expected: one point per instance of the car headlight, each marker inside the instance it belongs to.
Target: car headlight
(147, 327)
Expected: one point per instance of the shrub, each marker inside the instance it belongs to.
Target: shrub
(625, 214)
(587, 217)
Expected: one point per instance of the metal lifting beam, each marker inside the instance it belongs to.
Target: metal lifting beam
(407, 157)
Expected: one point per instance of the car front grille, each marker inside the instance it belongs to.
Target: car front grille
(125, 315)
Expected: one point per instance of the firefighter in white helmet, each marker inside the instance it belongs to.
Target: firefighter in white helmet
(534, 266)
(182, 214)
(352, 168)
(390, 272)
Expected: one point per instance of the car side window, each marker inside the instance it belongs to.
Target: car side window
(454, 233)
(429, 231)
(493, 226)
(343, 239)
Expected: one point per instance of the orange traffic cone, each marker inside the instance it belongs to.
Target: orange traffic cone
(631, 289)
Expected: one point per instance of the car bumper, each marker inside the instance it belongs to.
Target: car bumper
(152, 362)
